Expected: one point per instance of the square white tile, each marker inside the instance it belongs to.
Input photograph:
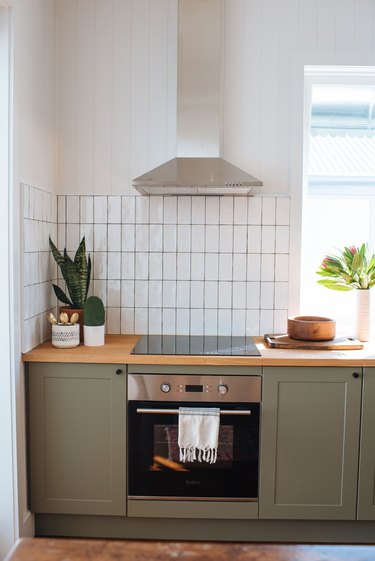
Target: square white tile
(127, 293)
(128, 237)
(282, 239)
(100, 210)
(183, 237)
(170, 210)
(197, 238)
(169, 266)
(253, 295)
(267, 290)
(113, 293)
(114, 237)
(212, 210)
(184, 210)
(268, 210)
(128, 210)
(114, 265)
(198, 210)
(239, 295)
(127, 321)
(156, 210)
(169, 321)
(240, 239)
(197, 266)
(212, 238)
(196, 294)
(87, 210)
(268, 239)
(141, 265)
(142, 210)
(155, 293)
(114, 209)
(211, 294)
(100, 237)
(155, 261)
(267, 267)
(226, 210)
(142, 237)
(254, 208)
(169, 237)
(128, 265)
(156, 238)
(225, 266)
(211, 267)
(141, 294)
(282, 211)
(169, 294)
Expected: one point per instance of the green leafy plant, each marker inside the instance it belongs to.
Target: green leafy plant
(93, 311)
(352, 269)
(75, 273)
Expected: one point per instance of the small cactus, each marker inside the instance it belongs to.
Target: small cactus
(93, 312)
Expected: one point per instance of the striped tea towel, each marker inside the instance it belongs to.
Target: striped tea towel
(198, 433)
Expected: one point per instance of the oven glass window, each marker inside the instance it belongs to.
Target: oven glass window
(167, 452)
(155, 469)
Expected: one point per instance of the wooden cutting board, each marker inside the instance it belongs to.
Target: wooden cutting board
(285, 342)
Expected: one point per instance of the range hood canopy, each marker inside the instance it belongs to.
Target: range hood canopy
(198, 168)
(196, 176)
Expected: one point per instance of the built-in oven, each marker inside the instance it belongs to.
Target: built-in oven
(155, 470)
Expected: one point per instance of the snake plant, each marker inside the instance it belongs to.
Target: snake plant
(75, 273)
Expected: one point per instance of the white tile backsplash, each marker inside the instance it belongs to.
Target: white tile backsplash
(188, 265)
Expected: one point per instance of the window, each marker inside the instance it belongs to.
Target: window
(339, 194)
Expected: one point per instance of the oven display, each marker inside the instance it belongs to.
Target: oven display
(193, 388)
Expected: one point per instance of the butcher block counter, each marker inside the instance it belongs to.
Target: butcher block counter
(117, 350)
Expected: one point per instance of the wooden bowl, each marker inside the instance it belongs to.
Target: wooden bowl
(311, 328)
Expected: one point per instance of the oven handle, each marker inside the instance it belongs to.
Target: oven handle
(176, 411)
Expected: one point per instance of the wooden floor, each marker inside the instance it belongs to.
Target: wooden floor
(62, 549)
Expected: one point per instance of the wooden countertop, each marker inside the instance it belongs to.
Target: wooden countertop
(56, 549)
(117, 350)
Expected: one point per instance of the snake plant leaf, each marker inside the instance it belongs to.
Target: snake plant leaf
(62, 296)
(75, 273)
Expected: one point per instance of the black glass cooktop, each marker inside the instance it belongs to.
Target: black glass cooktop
(195, 345)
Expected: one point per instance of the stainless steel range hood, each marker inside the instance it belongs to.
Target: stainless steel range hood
(198, 168)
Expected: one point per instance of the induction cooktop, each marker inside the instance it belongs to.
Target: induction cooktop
(196, 345)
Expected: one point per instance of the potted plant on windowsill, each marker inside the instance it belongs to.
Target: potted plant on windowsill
(352, 269)
(76, 274)
(93, 320)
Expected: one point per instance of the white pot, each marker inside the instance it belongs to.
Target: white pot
(363, 315)
(65, 336)
(93, 335)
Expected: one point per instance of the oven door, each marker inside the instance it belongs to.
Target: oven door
(155, 470)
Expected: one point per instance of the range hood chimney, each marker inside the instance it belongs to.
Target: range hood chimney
(198, 168)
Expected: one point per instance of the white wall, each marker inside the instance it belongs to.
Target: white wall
(117, 80)
(116, 92)
(33, 160)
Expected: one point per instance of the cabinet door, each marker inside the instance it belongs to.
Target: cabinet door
(309, 443)
(77, 438)
(366, 488)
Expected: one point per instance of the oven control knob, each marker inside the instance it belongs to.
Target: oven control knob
(165, 388)
(222, 389)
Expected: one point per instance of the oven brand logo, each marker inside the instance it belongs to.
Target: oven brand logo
(192, 482)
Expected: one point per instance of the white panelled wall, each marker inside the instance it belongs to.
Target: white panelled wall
(179, 265)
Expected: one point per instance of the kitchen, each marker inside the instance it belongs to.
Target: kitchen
(97, 107)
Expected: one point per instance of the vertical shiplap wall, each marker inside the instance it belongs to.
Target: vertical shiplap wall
(116, 108)
(117, 83)
(263, 40)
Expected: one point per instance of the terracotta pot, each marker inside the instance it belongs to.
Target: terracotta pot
(70, 312)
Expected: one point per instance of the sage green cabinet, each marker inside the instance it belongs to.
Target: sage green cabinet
(77, 415)
(366, 487)
(309, 443)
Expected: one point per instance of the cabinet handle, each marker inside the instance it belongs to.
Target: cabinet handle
(355, 375)
(119, 371)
